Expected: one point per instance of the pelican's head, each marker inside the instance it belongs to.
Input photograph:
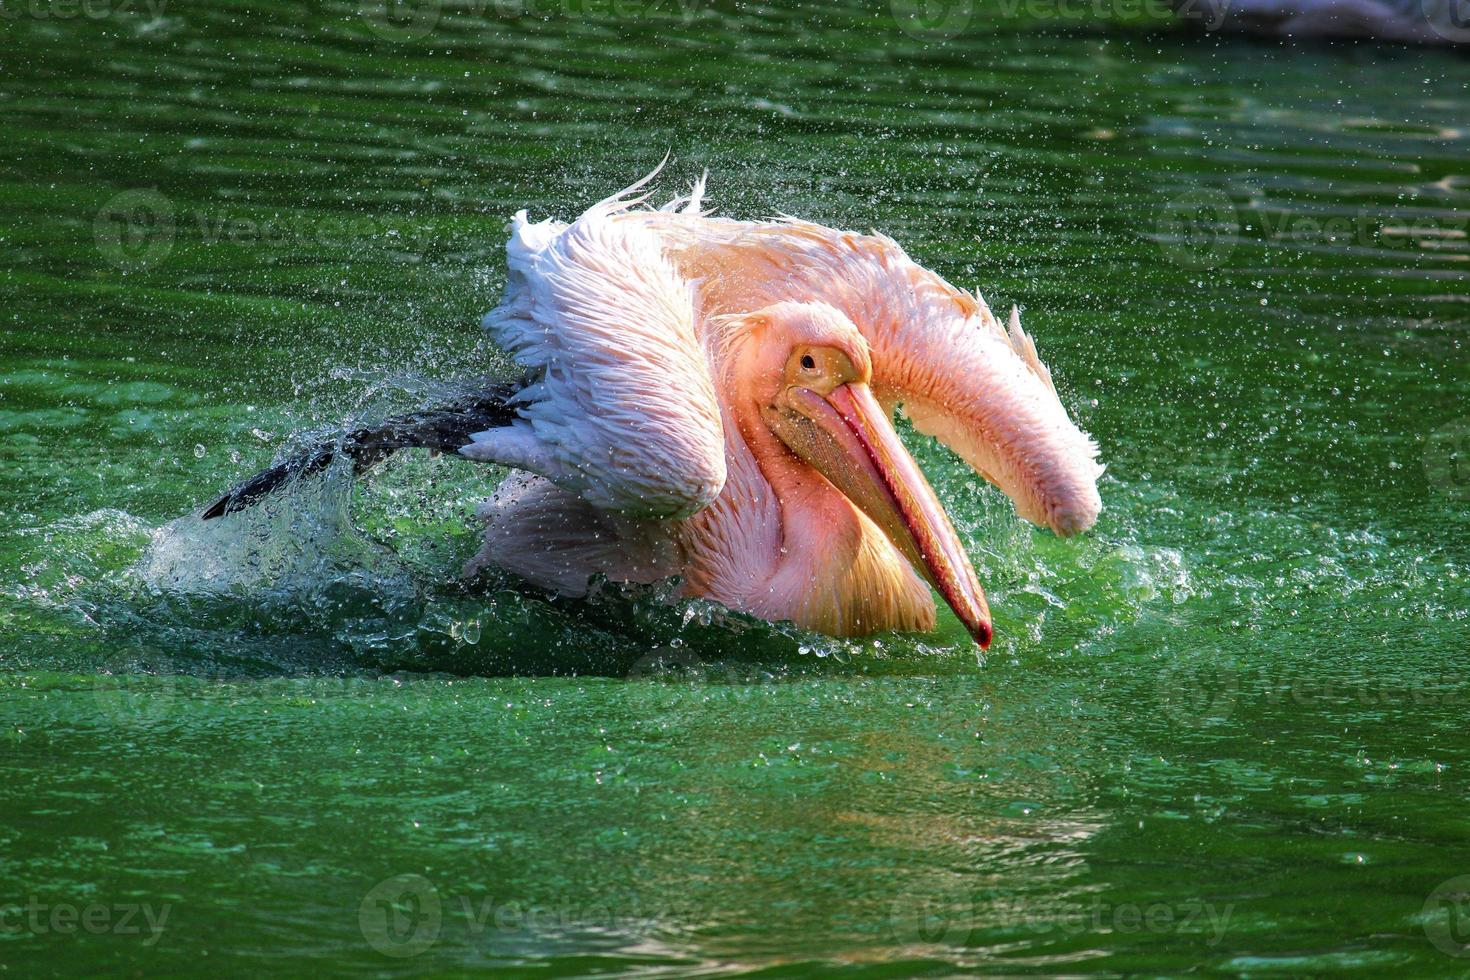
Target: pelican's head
(807, 370)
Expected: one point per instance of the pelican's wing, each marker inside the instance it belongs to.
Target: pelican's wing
(961, 376)
(621, 411)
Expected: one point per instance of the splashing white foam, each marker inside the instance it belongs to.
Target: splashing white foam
(299, 541)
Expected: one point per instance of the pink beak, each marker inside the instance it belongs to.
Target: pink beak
(852, 443)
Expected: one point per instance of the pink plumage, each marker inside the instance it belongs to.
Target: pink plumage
(707, 404)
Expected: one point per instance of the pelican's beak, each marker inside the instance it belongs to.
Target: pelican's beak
(847, 437)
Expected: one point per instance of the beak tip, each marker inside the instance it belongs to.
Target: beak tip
(982, 634)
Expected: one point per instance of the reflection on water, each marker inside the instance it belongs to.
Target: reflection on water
(1222, 729)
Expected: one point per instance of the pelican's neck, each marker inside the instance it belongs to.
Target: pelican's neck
(978, 387)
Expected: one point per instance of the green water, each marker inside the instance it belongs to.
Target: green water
(1225, 730)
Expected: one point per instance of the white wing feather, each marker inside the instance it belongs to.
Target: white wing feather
(623, 412)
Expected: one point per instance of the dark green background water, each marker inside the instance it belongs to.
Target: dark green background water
(1226, 730)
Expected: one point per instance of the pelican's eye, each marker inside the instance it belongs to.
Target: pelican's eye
(818, 368)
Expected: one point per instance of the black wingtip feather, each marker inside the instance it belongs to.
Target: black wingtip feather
(447, 428)
(262, 485)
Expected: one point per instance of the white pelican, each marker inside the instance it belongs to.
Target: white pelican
(712, 399)
(1432, 22)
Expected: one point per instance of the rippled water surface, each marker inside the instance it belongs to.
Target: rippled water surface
(1225, 730)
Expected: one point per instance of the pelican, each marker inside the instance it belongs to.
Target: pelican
(712, 399)
(1428, 22)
